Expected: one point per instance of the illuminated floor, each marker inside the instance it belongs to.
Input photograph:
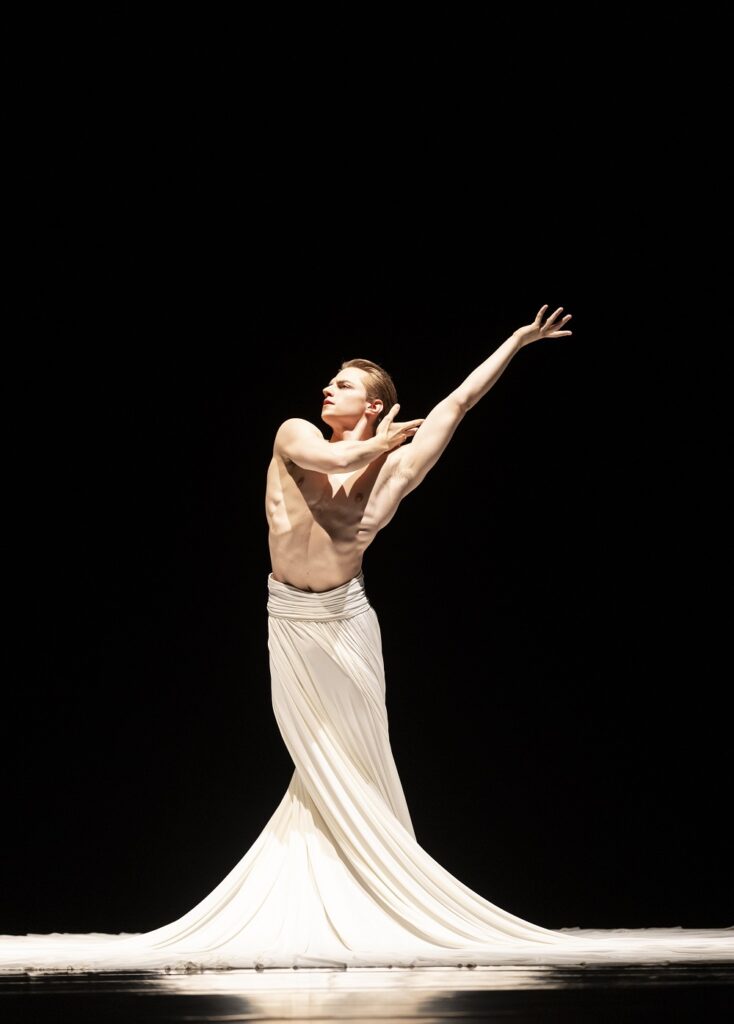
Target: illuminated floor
(701, 993)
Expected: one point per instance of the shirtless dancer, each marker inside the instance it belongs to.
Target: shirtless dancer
(327, 500)
(337, 877)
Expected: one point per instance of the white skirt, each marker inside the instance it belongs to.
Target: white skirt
(336, 878)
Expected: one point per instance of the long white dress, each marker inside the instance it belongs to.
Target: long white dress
(336, 878)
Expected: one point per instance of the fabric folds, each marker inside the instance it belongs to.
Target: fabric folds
(337, 877)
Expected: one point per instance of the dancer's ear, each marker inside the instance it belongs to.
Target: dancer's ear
(375, 406)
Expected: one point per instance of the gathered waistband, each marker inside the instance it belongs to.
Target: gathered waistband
(344, 602)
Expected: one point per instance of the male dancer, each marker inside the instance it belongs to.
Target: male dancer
(337, 876)
(368, 893)
(327, 500)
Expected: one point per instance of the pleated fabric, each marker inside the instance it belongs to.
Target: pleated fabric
(337, 878)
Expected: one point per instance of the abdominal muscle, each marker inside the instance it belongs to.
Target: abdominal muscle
(311, 564)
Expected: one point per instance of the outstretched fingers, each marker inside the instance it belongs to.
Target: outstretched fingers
(552, 317)
(557, 333)
(551, 328)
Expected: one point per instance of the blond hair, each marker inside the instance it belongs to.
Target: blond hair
(379, 384)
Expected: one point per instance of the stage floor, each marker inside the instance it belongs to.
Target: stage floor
(701, 992)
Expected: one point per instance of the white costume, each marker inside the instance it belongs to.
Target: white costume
(336, 877)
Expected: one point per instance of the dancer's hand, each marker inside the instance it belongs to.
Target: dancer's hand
(537, 330)
(394, 434)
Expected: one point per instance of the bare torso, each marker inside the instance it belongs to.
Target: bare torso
(321, 524)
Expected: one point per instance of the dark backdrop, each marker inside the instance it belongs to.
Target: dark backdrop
(214, 217)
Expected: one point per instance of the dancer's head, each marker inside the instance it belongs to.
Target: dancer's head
(360, 389)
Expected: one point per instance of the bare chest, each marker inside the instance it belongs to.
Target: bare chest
(336, 501)
(335, 494)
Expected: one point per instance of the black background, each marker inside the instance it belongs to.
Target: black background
(214, 213)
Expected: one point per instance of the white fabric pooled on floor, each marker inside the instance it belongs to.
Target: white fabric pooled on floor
(337, 877)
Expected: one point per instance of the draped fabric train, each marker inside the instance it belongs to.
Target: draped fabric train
(336, 877)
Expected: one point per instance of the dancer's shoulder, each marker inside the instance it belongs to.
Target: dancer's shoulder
(295, 424)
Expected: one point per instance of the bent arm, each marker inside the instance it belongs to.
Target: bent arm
(439, 426)
(303, 443)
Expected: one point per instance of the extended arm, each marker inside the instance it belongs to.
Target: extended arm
(439, 426)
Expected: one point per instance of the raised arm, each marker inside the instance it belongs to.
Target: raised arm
(438, 427)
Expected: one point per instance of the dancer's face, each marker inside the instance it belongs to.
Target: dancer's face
(345, 398)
